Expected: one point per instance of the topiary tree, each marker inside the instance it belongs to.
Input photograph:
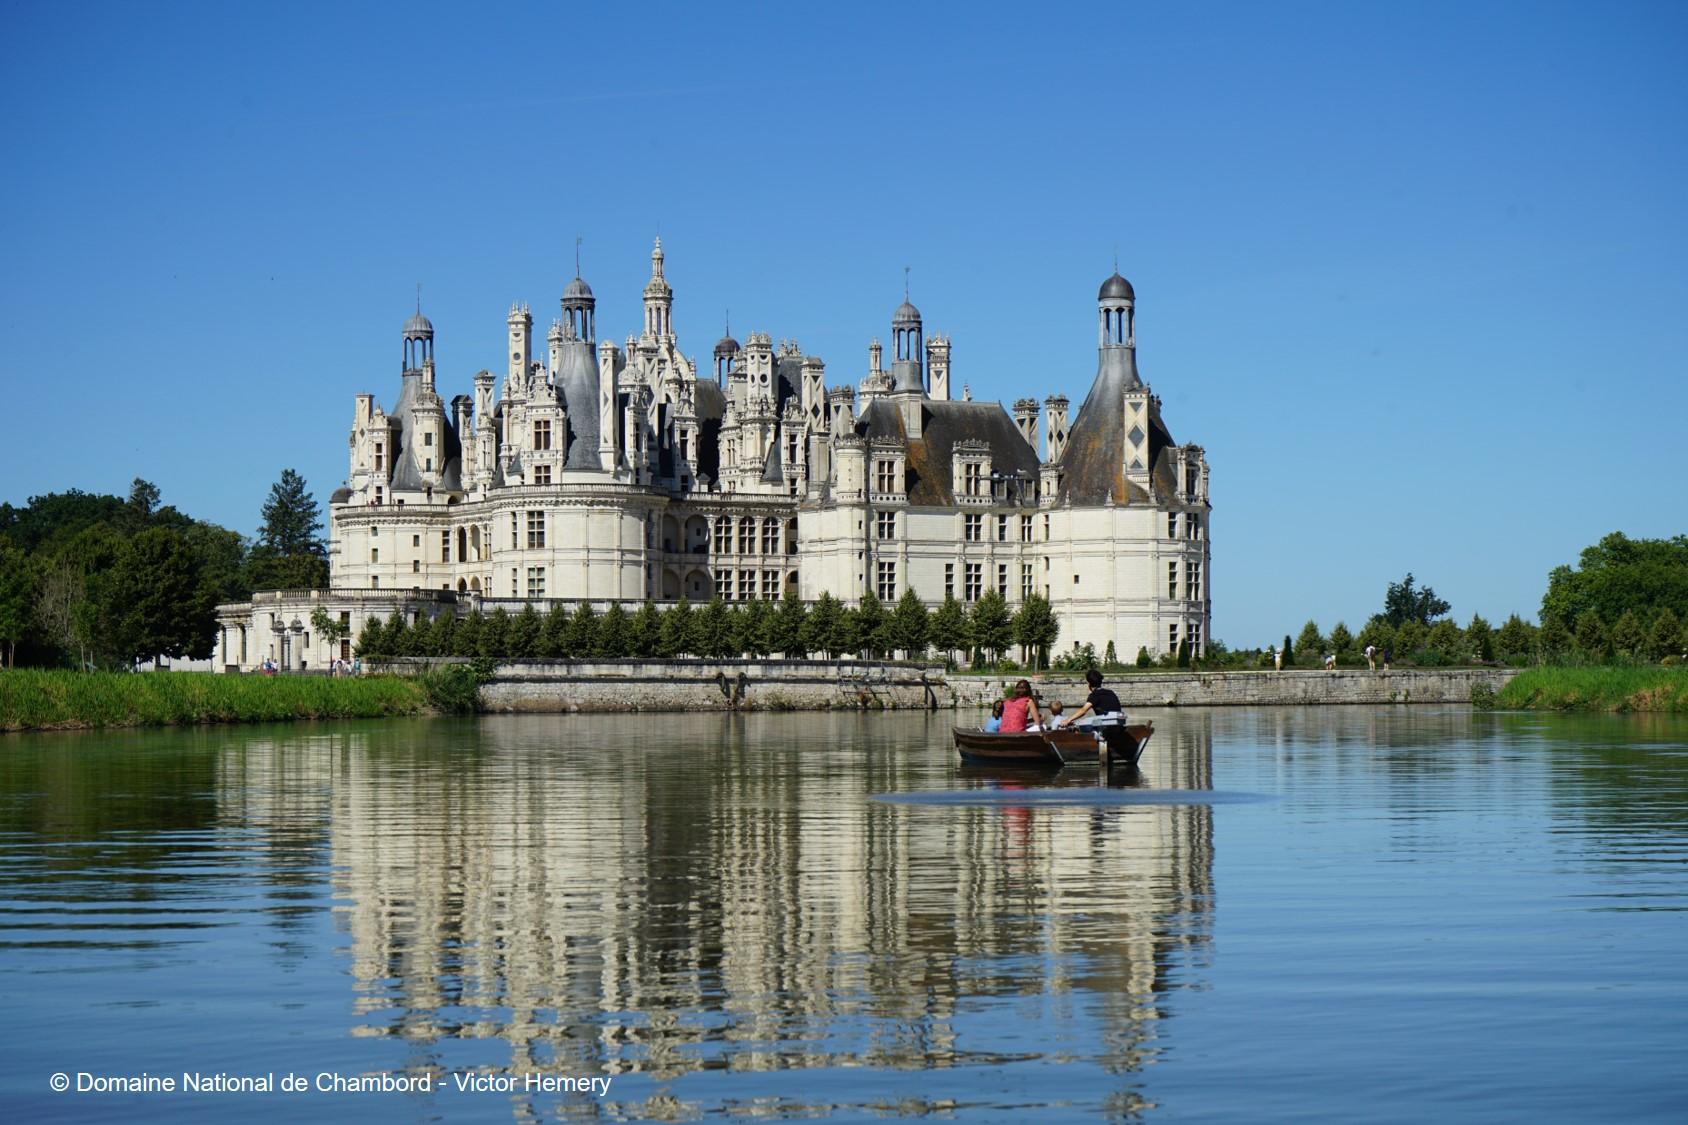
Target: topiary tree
(466, 637)
(754, 629)
(372, 642)
(644, 632)
(494, 638)
(1144, 660)
(583, 631)
(554, 641)
(786, 633)
(1289, 650)
(821, 626)
(523, 640)
(871, 626)
(1036, 630)
(712, 626)
(677, 635)
(990, 626)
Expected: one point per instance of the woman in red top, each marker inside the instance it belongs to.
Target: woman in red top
(1020, 711)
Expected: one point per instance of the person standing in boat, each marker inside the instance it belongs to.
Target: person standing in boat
(1102, 702)
(1020, 711)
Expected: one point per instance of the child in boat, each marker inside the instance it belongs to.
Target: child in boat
(994, 723)
(1019, 712)
(1056, 722)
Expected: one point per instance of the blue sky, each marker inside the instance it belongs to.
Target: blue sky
(1413, 274)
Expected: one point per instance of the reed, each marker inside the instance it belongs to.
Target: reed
(36, 699)
(1598, 688)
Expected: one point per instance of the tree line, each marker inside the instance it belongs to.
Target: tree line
(717, 630)
(91, 580)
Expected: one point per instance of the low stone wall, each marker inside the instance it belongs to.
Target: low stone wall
(711, 685)
(1251, 689)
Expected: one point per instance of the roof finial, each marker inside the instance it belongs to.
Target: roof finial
(577, 255)
(905, 283)
(418, 298)
(729, 322)
(1116, 257)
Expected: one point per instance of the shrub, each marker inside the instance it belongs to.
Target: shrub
(1483, 697)
(454, 689)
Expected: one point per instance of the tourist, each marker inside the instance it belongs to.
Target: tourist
(1019, 712)
(1056, 722)
(1371, 658)
(994, 723)
(1330, 661)
(1388, 655)
(1277, 660)
(1102, 702)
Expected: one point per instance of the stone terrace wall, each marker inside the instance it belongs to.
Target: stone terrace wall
(711, 685)
(1251, 689)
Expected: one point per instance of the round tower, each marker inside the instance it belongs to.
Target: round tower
(579, 310)
(418, 340)
(909, 347)
(1115, 313)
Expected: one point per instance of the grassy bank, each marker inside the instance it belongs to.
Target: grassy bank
(35, 699)
(1597, 688)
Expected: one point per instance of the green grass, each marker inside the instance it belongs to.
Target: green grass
(1598, 688)
(35, 699)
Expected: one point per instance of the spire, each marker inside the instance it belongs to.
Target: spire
(577, 241)
(656, 258)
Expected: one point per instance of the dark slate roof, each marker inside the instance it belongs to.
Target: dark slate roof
(1093, 467)
(710, 404)
(772, 473)
(407, 477)
(1116, 287)
(577, 386)
(942, 425)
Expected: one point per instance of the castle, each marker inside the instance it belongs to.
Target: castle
(620, 473)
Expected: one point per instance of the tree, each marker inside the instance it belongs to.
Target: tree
(1289, 652)
(713, 629)
(908, 627)
(871, 622)
(1629, 636)
(676, 635)
(753, 629)
(1404, 602)
(991, 628)
(583, 632)
(1311, 641)
(1377, 634)
(947, 629)
(1480, 638)
(644, 632)
(1591, 635)
(143, 501)
(372, 642)
(1144, 660)
(466, 635)
(17, 599)
(554, 636)
(1445, 637)
(1183, 658)
(1411, 637)
(523, 640)
(1036, 630)
(823, 626)
(290, 553)
(785, 635)
(1341, 640)
(1665, 638)
(494, 639)
(1619, 574)
(613, 633)
(1554, 635)
(1515, 637)
(395, 636)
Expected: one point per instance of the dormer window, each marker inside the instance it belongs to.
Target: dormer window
(973, 479)
(542, 435)
(885, 475)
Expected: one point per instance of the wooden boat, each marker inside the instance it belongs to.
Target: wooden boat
(1117, 743)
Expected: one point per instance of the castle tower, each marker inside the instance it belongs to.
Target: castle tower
(938, 367)
(908, 343)
(726, 352)
(418, 340)
(659, 299)
(521, 341)
(580, 311)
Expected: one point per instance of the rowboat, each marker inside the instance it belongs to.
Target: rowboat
(1115, 744)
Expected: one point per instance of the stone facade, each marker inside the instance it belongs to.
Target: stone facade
(621, 472)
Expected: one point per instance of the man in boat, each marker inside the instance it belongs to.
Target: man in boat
(1102, 702)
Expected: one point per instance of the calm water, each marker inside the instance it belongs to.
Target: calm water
(1407, 914)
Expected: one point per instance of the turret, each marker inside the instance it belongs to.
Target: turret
(659, 298)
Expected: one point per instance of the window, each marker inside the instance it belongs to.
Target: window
(887, 588)
(536, 582)
(542, 435)
(1172, 525)
(746, 585)
(1195, 636)
(723, 537)
(445, 546)
(887, 522)
(542, 474)
(428, 439)
(374, 581)
(949, 580)
(770, 536)
(975, 581)
(970, 477)
(770, 585)
(970, 528)
(428, 465)
(1002, 579)
(885, 475)
(1193, 581)
(536, 529)
(746, 536)
(380, 458)
(415, 540)
(1025, 581)
(1025, 529)
(416, 566)
(1189, 480)
(724, 584)
(1002, 529)
(1192, 526)
(1172, 637)
(377, 494)
(515, 538)
(375, 554)
(1046, 529)
(515, 591)
(1172, 579)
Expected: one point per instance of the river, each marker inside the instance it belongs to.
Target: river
(1392, 914)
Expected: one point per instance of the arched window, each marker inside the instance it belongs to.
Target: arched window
(747, 536)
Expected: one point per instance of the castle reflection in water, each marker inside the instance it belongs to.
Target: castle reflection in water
(673, 894)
